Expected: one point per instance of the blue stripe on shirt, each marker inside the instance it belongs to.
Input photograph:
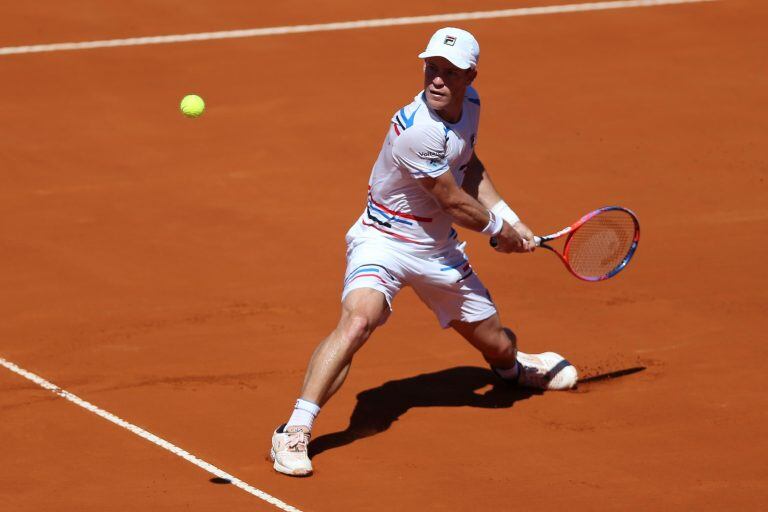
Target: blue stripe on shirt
(388, 216)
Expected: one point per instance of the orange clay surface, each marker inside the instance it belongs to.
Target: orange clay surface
(179, 272)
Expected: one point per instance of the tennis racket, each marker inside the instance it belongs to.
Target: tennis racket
(597, 246)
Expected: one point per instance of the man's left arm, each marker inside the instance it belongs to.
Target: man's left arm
(477, 183)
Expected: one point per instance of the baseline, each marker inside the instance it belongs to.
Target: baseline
(345, 25)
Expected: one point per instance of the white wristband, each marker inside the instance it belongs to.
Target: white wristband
(503, 210)
(495, 223)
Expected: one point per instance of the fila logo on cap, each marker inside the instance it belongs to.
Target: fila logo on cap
(449, 40)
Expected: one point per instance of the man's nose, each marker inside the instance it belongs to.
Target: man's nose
(438, 82)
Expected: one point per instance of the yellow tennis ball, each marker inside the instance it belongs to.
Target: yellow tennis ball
(192, 105)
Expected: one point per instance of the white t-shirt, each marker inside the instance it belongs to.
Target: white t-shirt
(419, 143)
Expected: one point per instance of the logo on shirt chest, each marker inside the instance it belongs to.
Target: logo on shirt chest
(435, 158)
(431, 155)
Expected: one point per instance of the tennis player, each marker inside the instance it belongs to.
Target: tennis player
(426, 178)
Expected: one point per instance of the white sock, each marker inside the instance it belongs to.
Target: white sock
(304, 414)
(509, 373)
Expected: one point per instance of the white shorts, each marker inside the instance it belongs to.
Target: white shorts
(444, 279)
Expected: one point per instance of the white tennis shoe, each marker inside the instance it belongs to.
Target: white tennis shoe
(547, 371)
(289, 451)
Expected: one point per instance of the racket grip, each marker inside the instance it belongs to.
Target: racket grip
(494, 241)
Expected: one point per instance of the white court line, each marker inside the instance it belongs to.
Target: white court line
(152, 438)
(345, 25)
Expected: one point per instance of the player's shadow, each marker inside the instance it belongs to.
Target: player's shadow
(377, 408)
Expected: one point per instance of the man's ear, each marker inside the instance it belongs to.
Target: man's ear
(472, 75)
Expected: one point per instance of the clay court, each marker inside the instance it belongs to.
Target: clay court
(178, 272)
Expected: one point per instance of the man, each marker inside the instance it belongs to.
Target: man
(426, 178)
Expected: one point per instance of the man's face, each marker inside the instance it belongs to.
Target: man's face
(445, 84)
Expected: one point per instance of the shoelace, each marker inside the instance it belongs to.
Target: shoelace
(297, 441)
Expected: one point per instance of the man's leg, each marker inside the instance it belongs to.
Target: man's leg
(363, 310)
(498, 345)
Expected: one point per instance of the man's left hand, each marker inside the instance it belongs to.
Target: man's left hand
(529, 245)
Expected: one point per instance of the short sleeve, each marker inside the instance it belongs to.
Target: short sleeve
(473, 98)
(421, 151)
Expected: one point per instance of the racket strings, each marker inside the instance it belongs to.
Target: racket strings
(601, 245)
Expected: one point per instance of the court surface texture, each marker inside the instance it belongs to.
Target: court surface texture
(177, 273)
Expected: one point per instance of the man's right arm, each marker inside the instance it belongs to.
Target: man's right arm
(421, 151)
(467, 212)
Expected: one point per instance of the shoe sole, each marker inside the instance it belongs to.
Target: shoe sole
(285, 470)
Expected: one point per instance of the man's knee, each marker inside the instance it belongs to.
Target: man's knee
(362, 313)
(357, 329)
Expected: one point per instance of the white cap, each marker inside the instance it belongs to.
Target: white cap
(458, 46)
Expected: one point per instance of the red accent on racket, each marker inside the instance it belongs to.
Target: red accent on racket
(597, 246)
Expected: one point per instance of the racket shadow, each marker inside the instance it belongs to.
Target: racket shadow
(378, 408)
(611, 375)
(588, 382)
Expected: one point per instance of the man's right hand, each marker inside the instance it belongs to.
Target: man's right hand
(517, 238)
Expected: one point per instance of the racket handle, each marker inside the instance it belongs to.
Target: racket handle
(494, 241)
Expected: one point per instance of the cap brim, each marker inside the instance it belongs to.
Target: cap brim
(424, 55)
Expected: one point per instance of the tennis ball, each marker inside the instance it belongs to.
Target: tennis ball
(192, 105)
